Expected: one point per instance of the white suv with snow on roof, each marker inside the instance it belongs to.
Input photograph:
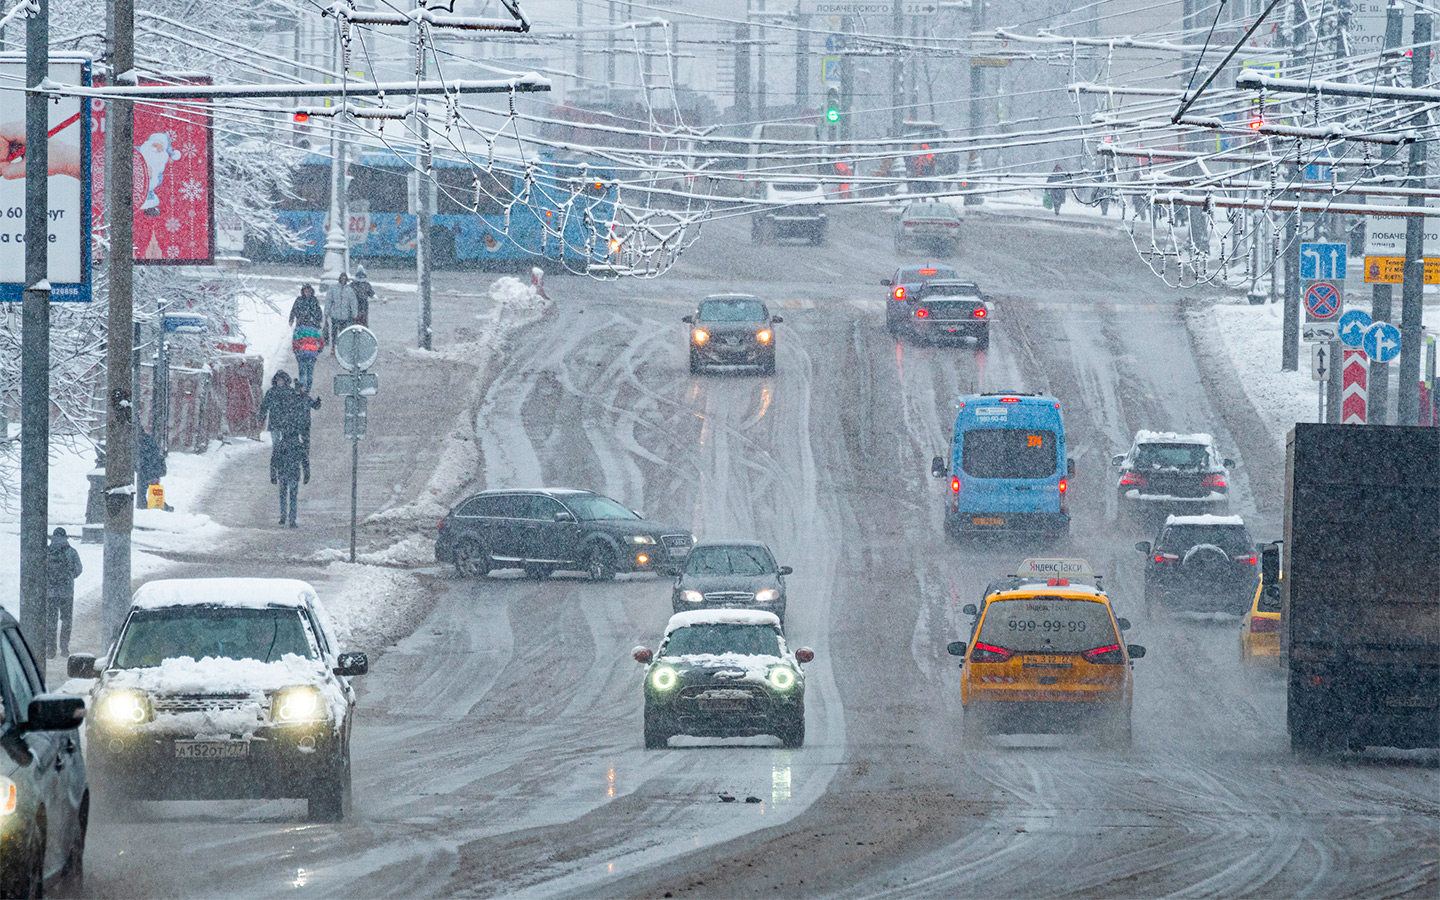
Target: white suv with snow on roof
(1165, 472)
(223, 688)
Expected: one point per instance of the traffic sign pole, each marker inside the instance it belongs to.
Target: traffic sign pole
(357, 349)
(1412, 292)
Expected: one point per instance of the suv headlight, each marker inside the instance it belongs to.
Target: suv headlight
(297, 704)
(692, 596)
(769, 595)
(125, 706)
(664, 678)
(642, 539)
(782, 678)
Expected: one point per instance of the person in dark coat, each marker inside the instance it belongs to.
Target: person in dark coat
(307, 320)
(289, 463)
(1057, 194)
(364, 293)
(149, 465)
(62, 567)
(280, 408)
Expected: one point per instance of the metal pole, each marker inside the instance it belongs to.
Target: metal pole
(1412, 292)
(977, 98)
(423, 253)
(802, 63)
(897, 90)
(610, 51)
(742, 69)
(336, 235)
(580, 44)
(1382, 296)
(847, 80)
(354, 480)
(760, 77)
(1290, 332)
(35, 334)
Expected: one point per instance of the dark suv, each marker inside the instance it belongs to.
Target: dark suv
(732, 330)
(1201, 564)
(1165, 472)
(548, 529)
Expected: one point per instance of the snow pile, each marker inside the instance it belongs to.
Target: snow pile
(1204, 520)
(412, 552)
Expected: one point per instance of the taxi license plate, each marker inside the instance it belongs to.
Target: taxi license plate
(212, 749)
(987, 520)
(1049, 662)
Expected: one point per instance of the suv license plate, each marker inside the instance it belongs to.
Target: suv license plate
(719, 705)
(212, 749)
(987, 520)
(1412, 702)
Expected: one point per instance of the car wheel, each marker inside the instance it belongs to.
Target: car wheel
(974, 728)
(982, 340)
(328, 802)
(600, 564)
(538, 573)
(793, 734)
(472, 560)
(73, 875)
(657, 731)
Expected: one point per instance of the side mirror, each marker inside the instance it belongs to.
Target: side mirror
(349, 664)
(970, 609)
(689, 320)
(1142, 546)
(55, 712)
(642, 655)
(777, 320)
(1229, 463)
(1070, 468)
(1135, 650)
(1124, 623)
(804, 655)
(1270, 565)
(786, 570)
(955, 648)
(81, 665)
(1117, 459)
(564, 516)
(937, 468)
(885, 282)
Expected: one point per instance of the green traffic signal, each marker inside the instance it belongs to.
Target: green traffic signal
(832, 115)
(832, 105)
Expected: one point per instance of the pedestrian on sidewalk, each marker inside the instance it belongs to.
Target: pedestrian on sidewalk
(149, 466)
(307, 320)
(1056, 194)
(279, 407)
(62, 567)
(289, 463)
(342, 308)
(364, 293)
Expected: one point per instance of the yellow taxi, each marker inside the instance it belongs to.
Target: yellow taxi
(1260, 626)
(1045, 654)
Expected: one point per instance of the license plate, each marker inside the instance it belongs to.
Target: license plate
(1050, 662)
(212, 749)
(987, 520)
(1414, 702)
(721, 705)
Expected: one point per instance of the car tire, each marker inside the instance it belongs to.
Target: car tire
(982, 340)
(538, 572)
(974, 728)
(72, 877)
(792, 735)
(600, 563)
(331, 795)
(472, 560)
(657, 732)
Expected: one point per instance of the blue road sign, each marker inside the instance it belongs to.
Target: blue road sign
(1352, 327)
(834, 43)
(1382, 342)
(182, 323)
(1322, 300)
(1322, 261)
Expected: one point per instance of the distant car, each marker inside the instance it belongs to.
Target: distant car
(224, 688)
(724, 673)
(735, 575)
(44, 792)
(1260, 626)
(936, 226)
(950, 310)
(732, 330)
(543, 530)
(1164, 472)
(792, 209)
(1200, 564)
(905, 281)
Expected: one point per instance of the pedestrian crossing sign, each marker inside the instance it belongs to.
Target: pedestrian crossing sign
(830, 69)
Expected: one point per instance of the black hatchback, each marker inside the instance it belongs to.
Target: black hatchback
(734, 575)
(732, 330)
(1201, 564)
(544, 530)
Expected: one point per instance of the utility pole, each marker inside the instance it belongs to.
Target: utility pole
(35, 334)
(897, 75)
(423, 252)
(802, 63)
(122, 357)
(847, 81)
(336, 234)
(580, 43)
(610, 51)
(1382, 295)
(977, 97)
(760, 76)
(1412, 291)
(742, 111)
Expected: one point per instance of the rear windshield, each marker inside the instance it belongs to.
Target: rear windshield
(952, 290)
(1232, 539)
(1172, 456)
(732, 311)
(912, 276)
(932, 211)
(153, 636)
(729, 561)
(1047, 624)
(1008, 453)
(747, 640)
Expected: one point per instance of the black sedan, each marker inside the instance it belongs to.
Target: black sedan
(44, 793)
(736, 575)
(732, 330)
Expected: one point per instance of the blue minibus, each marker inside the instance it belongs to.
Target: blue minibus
(1007, 469)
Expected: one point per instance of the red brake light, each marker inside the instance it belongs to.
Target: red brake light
(1058, 582)
(921, 313)
(980, 313)
(301, 118)
(1064, 485)
(989, 653)
(954, 484)
(908, 224)
(900, 292)
(928, 271)
(1110, 655)
(441, 526)
(1009, 399)
(1213, 481)
(1134, 478)
(1264, 626)
(1251, 559)
(1166, 557)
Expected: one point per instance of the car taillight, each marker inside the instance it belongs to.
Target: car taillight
(899, 292)
(1064, 485)
(1110, 655)
(1134, 478)
(1248, 559)
(989, 653)
(921, 313)
(928, 271)
(1213, 481)
(1009, 399)
(441, 526)
(1264, 626)
(1166, 557)
(954, 484)
(909, 224)
(980, 313)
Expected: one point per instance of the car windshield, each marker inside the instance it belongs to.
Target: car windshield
(153, 636)
(729, 561)
(596, 507)
(1046, 625)
(1172, 456)
(1008, 453)
(732, 311)
(1230, 538)
(746, 640)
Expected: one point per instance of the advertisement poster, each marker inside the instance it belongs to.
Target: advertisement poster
(68, 184)
(174, 168)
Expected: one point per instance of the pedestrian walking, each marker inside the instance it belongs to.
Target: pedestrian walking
(278, 412)
(307, 340)
(342, 308)
(1056, 194)
(290, 462)
(62, 567)
(149, 466)
(364, 293)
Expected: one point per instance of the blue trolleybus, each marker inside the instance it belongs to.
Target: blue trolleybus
(1007, 468)
(484, 218)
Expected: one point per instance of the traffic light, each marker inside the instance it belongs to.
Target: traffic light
(832, 105)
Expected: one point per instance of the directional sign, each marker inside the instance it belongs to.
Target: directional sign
(356, 347)
(1322, 261)
(834, 43)
(1319, 170)
(1352, 327)
(1381, 342)
(1323, 301)
(359, 384)
(1320, 362)
(1316, 331)
(182, 323)
(1354, 388)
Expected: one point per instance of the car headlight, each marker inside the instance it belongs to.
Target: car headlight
(700, 336)
(692, 596)
(782, 678)
(663, 678)
(642, 539)
(763, 335)
(9, 796)
(297, 704)
(769, 595)
(123, 706)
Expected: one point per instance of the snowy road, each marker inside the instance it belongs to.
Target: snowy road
(498, 748)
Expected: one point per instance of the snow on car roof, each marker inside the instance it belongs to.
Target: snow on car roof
(722, 617)
(1204, 520)
(245, 593)
(1173, 437)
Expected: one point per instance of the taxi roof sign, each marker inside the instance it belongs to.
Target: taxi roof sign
(1039, 567)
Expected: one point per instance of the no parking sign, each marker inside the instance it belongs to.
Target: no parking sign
(1324, 301)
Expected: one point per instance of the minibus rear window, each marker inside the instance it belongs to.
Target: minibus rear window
(1009, 453)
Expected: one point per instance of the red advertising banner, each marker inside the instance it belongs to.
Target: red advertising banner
(174, 164)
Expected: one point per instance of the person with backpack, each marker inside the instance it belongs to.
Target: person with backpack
(364, 293)
(62, 567)
(308, 321)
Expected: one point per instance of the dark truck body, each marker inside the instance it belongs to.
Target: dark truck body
(1361, 590)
